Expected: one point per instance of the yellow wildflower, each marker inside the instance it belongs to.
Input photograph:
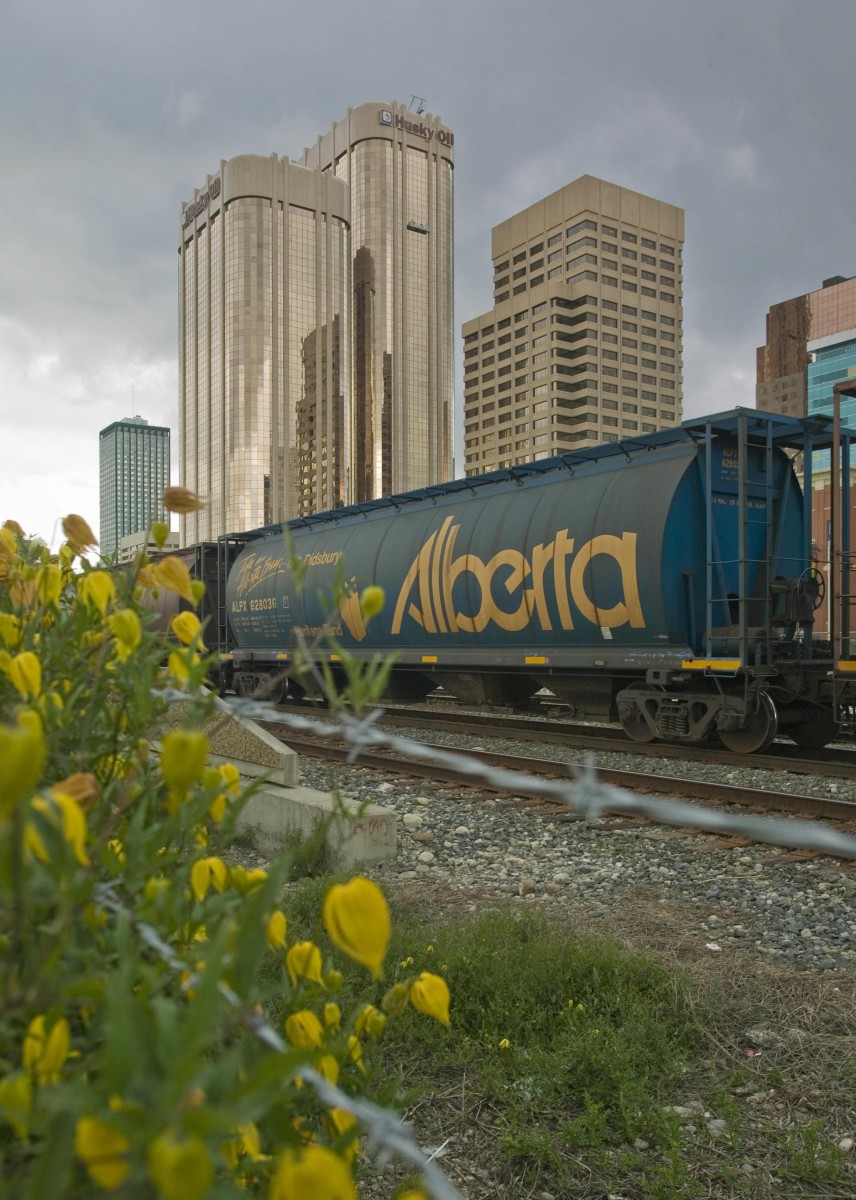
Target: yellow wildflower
(204, 873)
(303, 1030)
(246, 1143)
(180, 1166)
(45, 1052)
(71, 819)
(187, 628)
(13, 527)
(372, 600)
(184, 753)
(160, 532)
(303, 961)
(10, 629)
(342, 1122)
(429, 994)
(355, 1051)
(97, 589)
(24, 594)
(357, 919)
(127, 630)
(77, 533)
(504, 1044)
(22, 755)
(332, 1015)
(49, 583)
(173, 574)
(181, 500)
(312, 1171)
(81, 786)
(328, 1066)
(103, 1150)
(275, 930)
(245, 882)
(25, 674)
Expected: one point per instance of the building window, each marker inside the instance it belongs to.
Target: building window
(649, 243)
(581, 275)
(609, 229)
(587, 224)
(609, 305)
(667, 297)
(625, 253)
(609, 281)
(580, 242)
(627, 286)
(628, 237)
(648, 291)
(629, 311)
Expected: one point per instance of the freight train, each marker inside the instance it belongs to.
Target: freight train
(664, 581)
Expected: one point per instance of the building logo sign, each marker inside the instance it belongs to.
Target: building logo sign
(201, 203)
(417, 128)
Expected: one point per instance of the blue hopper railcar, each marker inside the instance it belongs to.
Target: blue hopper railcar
(665, 581)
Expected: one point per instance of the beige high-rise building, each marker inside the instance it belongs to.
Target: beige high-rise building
(264, 366)
(399, 166)
(584, 342)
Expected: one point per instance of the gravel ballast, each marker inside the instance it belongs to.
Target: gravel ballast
(717, 897)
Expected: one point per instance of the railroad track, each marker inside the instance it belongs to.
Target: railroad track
(719, 793)
(836, 762)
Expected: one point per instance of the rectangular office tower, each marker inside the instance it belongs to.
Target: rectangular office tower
(264, 363)
(134, 470)
(398, 165)
(583, 344)
(811, 344)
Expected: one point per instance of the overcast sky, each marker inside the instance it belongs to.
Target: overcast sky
(112, 111)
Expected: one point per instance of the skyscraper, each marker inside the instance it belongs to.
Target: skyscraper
(398, 165)
(134, 470)
(583, 344)
(811, 344)
(264, 298)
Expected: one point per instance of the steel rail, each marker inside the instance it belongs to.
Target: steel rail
(637, 781)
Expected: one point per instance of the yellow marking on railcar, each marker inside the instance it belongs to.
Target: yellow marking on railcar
(846, 664)
(282, 657)
(429, 658)
(534, 660)
(712, 664)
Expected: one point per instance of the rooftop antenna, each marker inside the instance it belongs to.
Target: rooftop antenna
(418, 103)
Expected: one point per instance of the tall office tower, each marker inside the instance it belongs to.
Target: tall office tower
(134, 470)
(264, 295)
(583, 344)
(398, 165)
(811, 344)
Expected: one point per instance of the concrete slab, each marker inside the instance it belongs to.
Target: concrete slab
(253, 750)
(356, 836)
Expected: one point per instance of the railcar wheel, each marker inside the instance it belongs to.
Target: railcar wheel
(759, 731)
(635, 725)
(815, 732)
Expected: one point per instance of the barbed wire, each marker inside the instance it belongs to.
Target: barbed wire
(585, 794)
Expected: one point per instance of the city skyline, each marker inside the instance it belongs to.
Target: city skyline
(108, 122)
(134, 466)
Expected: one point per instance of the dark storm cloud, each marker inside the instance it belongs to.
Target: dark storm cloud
(111, 114)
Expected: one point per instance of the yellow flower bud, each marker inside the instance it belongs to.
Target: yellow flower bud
(103, 1151)
(303, 961)
(304, 1031)
(25, 673)
(81, 786)
(184, 753)
(22, 755)
(197, 590)
(24, 594)
(246, 882)
(127, 630)
(372, 600)
(357, 919)
(187, 628)
(10, 629)
(311, 1171)
(78, 533)
(355, 1051)
(180, 1166)
(155, 886)
(181, 500)
(375, 1024)
(173, 574)
(71, 820)
(429, 994)
(45, 1052)
(97, 589)
(206, 871)
(49, 583)
(341, 1122)
(395, 1000)
(332, 1015)
(160, 532)
(14, 528)
(328, 1066)
(333, 980)
(275, 930)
